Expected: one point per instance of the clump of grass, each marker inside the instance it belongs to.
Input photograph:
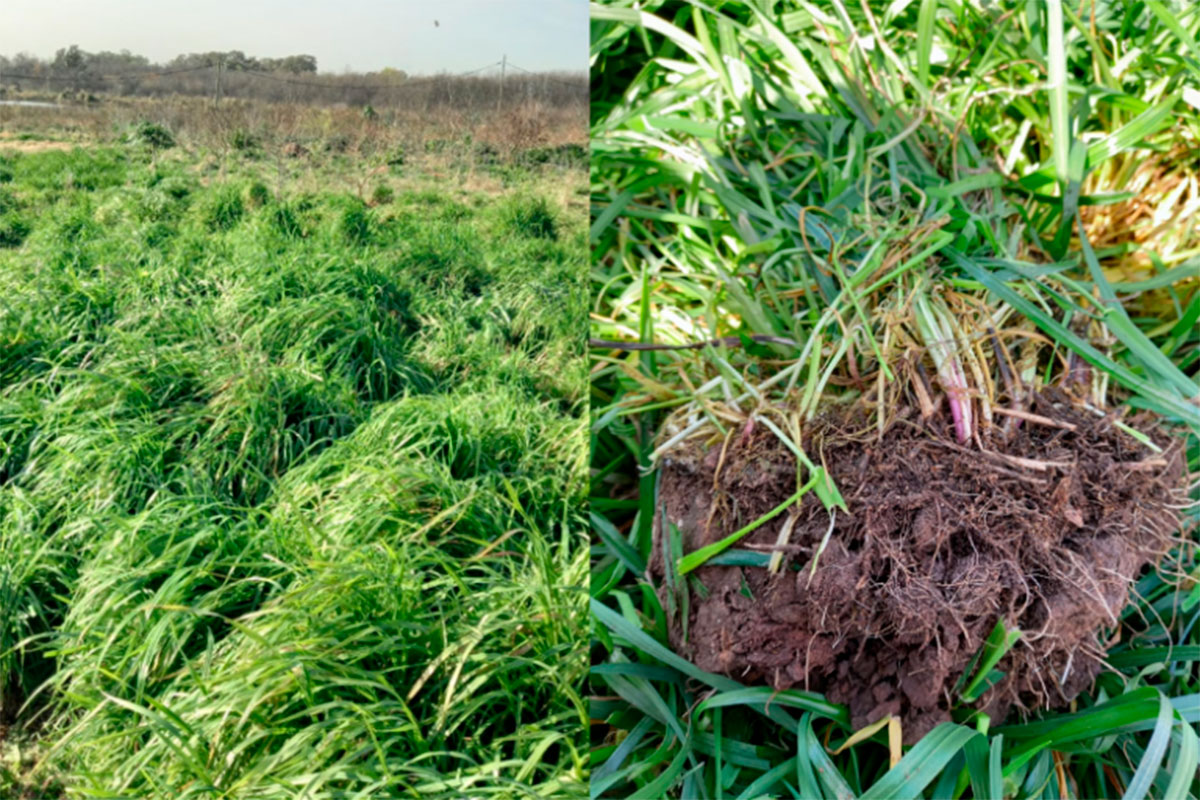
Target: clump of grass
(395, 159)
(531, 217)
(224, 209)
(382, 195)
(152, 135)
(245, 141)
(337, 143)
(13, 229)
(177, 187)
(257, 195)
(440, 253)
(285, 219)
(862, 205)
(355, 223)
(565, 155)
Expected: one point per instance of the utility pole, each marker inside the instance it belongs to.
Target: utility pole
(503, 68)
(217, 91)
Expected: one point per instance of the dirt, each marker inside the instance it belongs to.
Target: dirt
(33, 145)
(1044, 526)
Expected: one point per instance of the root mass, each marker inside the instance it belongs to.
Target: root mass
(1045, 528)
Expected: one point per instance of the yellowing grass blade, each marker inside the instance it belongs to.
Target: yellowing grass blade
(863, 734)
(895, 741)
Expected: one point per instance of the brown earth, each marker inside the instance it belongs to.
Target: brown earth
(1044, 527)
(33, 145)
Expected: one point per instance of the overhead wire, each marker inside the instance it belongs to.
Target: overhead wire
(373, 86)
(548, 77)
(330, 84)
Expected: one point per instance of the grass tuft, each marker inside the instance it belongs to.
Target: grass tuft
(531, 217)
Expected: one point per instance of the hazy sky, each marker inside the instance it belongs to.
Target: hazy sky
(360, 34)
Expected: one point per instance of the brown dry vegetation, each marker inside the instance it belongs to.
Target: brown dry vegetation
(198, 121)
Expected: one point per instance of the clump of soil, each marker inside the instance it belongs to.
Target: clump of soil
(1045, 526)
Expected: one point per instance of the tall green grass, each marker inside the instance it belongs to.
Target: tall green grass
(290, 490)
(811, 173)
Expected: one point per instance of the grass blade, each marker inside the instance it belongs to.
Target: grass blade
(1056, 57)
(1142, 779)
(922, 764)
(925, 20)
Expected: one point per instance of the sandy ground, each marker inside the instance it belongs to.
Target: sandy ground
(9, 143)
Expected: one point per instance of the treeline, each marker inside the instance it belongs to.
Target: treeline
(76, 74)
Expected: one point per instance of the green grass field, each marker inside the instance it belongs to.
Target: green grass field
(847, 201)
(290, 484)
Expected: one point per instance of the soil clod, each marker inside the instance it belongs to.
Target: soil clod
(1045, 528)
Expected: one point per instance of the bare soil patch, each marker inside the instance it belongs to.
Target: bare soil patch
(11, 145)
(1045, 527)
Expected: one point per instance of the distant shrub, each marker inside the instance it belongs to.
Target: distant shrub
(395, 158)
(6, 173)
(337, 143)
(224, 209)
(382, 195)
(486, 154)
(245, 141)
(13, 230)
(530, 217)
(257, 195)
(566, 155)
(151, 134)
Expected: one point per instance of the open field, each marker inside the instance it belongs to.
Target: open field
(293, 137)
(895, 410)
(291, 457)
(284, 108)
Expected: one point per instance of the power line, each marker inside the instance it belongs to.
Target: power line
(332, 84)
(545, 76)
(373, 86)
(159, 73)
